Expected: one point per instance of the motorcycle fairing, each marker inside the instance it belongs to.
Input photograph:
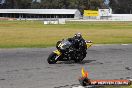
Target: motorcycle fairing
(57, 52)
(89, 44)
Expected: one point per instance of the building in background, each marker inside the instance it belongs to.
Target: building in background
(40, 13)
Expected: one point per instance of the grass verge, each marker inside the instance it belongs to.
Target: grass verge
(16, 34)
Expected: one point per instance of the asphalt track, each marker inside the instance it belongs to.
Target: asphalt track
(28, 68)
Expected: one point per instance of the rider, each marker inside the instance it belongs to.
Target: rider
(79, 42)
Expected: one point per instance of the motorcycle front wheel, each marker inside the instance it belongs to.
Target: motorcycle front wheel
(53, 58)
(79, 58)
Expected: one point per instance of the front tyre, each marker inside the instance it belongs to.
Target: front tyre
(80, 58)
(53, 58)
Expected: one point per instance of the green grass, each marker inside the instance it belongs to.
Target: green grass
(15, 34)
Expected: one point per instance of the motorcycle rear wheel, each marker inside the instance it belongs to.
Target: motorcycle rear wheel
(52, 58)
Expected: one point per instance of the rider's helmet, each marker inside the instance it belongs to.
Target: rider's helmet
(78, 35)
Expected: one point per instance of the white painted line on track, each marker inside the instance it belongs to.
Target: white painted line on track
(124, 44)
(84, 87)
(130, 79)
(110, 44)
(78, 87)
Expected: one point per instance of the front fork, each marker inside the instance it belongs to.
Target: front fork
(58, 53)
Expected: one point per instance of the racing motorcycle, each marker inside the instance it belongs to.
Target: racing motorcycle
(66, 52)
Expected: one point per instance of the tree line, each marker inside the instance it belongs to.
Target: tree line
(118, 6)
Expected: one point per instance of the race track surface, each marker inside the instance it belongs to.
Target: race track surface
(28, 68)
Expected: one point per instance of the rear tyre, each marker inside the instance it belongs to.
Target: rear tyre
(53, 58)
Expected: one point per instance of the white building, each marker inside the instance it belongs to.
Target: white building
(40, 13)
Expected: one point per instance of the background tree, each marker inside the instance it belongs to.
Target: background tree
(121, 6)
(24, 4)
(11, 4)
(118, 6)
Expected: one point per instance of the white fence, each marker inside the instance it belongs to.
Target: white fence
(113, 17)
(57, 21)
(121, 17)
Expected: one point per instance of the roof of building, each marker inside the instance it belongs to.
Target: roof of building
(40, 11)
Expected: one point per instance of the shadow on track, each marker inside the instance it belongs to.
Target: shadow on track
(72, 62)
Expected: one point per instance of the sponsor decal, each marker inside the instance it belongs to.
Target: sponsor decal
(91, 13)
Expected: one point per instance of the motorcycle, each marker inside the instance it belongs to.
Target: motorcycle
(66, 52)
